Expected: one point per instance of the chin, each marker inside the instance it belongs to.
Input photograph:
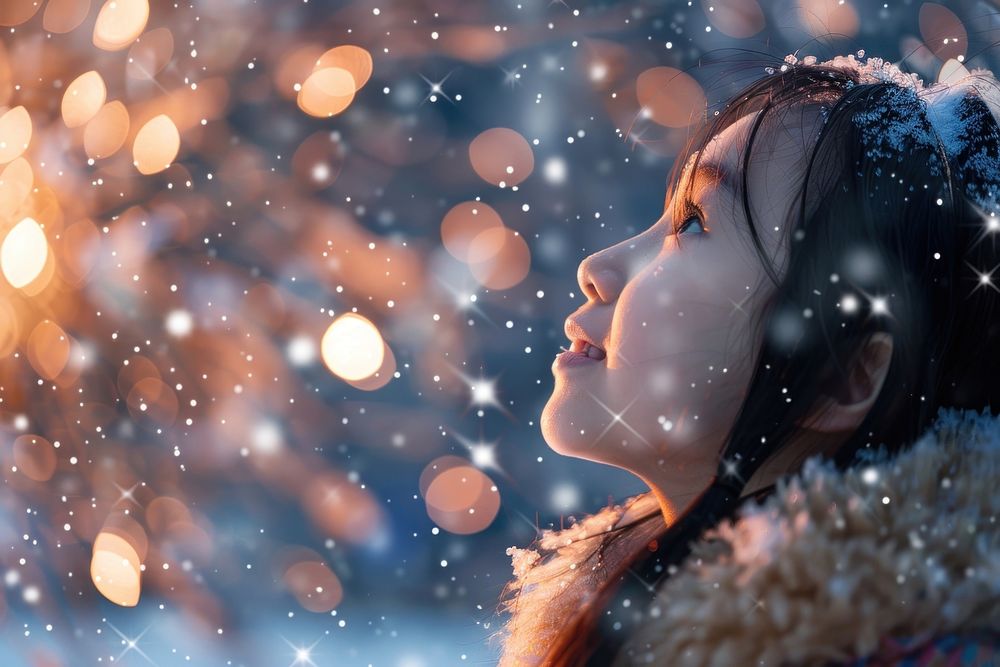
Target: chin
(561, 420)
(557, 430)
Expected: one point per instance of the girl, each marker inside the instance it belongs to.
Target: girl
(820, 286)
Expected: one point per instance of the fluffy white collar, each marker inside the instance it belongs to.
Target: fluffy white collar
(907, 546)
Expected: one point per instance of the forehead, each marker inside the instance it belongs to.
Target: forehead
(777, 162)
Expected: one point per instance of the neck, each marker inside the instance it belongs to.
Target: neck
(677, 489)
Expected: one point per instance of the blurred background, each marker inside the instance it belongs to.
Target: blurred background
(283, 282)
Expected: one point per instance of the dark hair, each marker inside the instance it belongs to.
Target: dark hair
(897, 224)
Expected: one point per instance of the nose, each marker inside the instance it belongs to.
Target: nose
(599, 278)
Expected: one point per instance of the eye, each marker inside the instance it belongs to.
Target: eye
(692, 214)
(686, 225)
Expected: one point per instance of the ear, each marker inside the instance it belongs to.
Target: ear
(845, 410)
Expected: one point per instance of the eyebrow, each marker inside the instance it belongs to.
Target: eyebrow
(716, 173)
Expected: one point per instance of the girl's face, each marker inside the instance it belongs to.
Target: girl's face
(672, 312)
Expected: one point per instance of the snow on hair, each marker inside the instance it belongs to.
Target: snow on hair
(914, 113)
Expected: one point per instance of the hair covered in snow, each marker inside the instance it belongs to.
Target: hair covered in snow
(896, 215)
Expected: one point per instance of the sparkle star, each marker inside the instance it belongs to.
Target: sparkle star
(984, 279)
(731, 469)
(989, 228)
(131, 643)
(126, 494)
(436, 89)
(303, 654)
(482, 453)
(511, 77)
(482, 391)
(464, 300)
(617, 418)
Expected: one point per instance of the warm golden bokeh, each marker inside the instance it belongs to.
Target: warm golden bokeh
(499, 258)
(670, 97)
(83, 98)
(340, 508)
(156, 145)
(354, 59)
(739, 19)
(327, 92)
(463, 223)
(106, 132)
(314, 585)
(115, 569)
(382, 375)
(119, 23)
(15, 133)
(942, 31)
(23, 253)
(462, 500)
(501, 156)
(48, 349)
(16, 12)
(16, 180)
(34, 457)
(62, 16)
(352, 347)
(829, 18)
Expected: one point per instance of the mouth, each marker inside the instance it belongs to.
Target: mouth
(586, 347)
(580, 353)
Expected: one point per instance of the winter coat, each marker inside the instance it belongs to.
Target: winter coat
(893, 562)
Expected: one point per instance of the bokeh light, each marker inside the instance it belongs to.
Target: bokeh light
(352, 347)
(462, 500)
(738, 19)
(464, 223)
(156, 145)
(83, 98)
(670, 97)
(326, 92)
(501, 156)
(115, 569)
(119, 23)
(942, 31)
(62, 16)
(106, 132)
(23, 253)
(15, 133)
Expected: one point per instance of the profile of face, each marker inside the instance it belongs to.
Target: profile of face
(671, 309)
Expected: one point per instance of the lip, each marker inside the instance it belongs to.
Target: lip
(576, 333)
(571, 359)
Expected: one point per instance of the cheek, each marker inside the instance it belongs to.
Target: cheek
(681, 334)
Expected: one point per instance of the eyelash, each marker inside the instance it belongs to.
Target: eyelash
(689, 208)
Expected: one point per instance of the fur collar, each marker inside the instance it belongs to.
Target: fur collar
(823, 570)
